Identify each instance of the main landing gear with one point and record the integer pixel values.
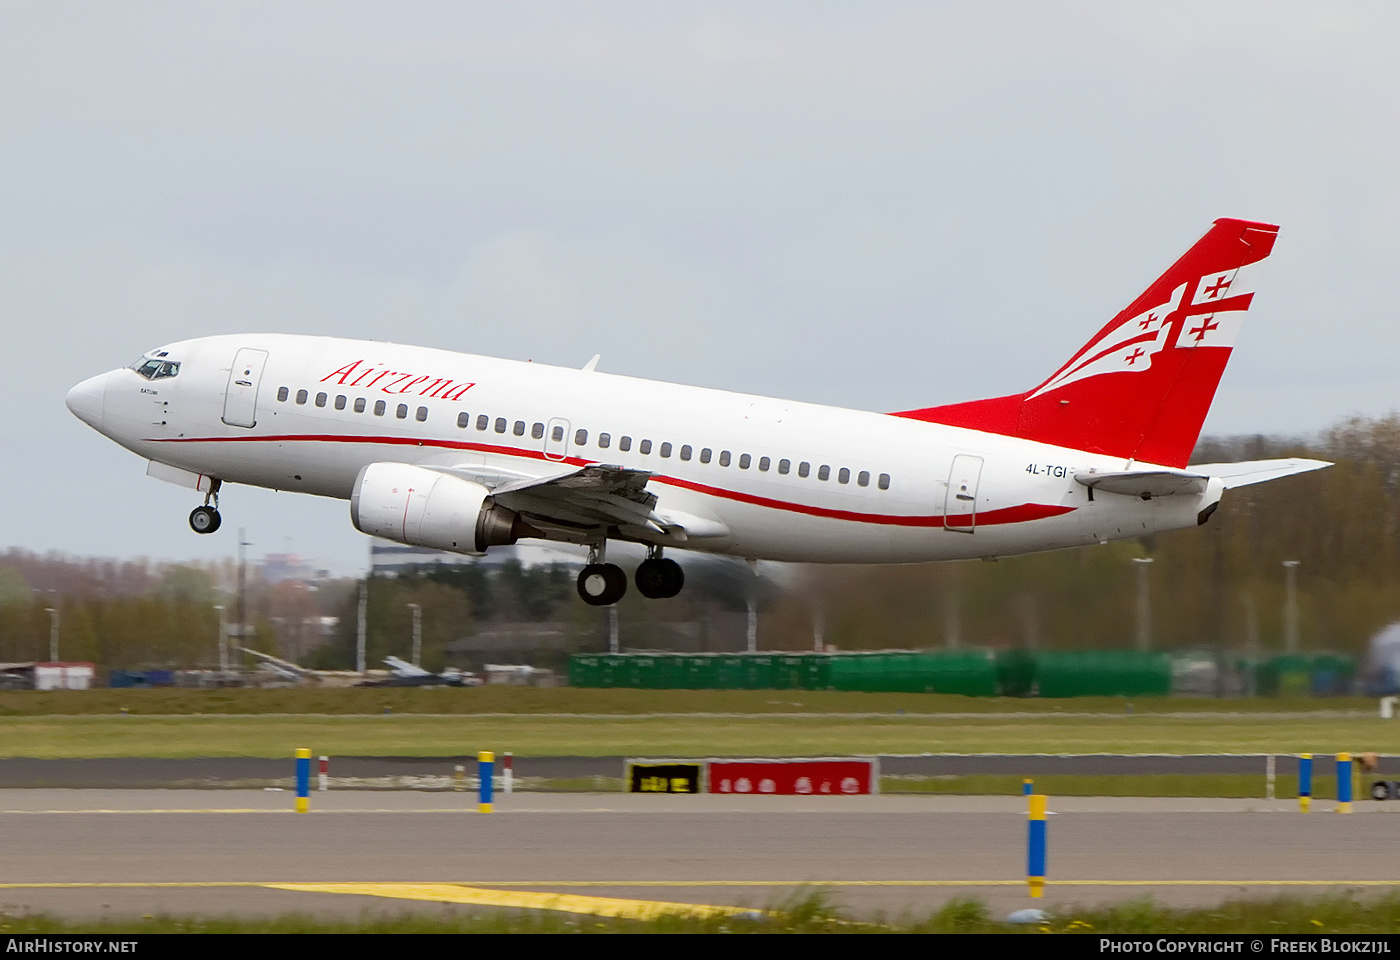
(603, 584)
(659, 578)
(206, 519)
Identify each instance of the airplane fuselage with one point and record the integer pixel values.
(751, 476)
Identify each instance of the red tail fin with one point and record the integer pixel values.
(1140, 389)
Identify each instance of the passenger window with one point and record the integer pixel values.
(580, 437)
(483, 421)
(624, 444)
(558, 434)
(501, 425)
(320, 399)
(301, 396)
(706, 454)
(884, 481)
(644, 446)
(359, 404)
(464, 420)
(604, 441)
(666, 449)
(537, 431)
(744, 461)
(340, 401)
(824, 473)
(763, 464)
(282, 394)
(519, 429)
(724, 458)
(844, 476)
(379, 408)
(402, 411)
(804, 468)
(864, 478)
(784, 466)
(421, 414)
(685, 452)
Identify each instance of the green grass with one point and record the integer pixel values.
(697, 736)
(810, 912)
(523, 700)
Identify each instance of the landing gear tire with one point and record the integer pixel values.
(659, 578)
(204, 520)
(602, 584)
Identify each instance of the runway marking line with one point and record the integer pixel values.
(499, 893)
(530, 900)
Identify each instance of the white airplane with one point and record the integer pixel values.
(462, 453)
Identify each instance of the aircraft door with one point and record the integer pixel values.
(241, 397)
(556, 440)
(960, 508)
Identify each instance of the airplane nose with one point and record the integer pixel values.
(87, 399)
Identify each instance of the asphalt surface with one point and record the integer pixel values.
(436, 772)
(110, 851)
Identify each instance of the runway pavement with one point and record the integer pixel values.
(87, 853)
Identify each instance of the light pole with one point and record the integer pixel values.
(1144, 607)
(53, 631)
(360, 630)
(223, 639)
(1290, 608)
(417, 634)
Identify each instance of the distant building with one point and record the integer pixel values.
(280, 567)
(387, 559)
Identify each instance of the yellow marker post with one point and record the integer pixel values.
(485, 766)
(303, 779)
(1035, 847)
(1344, 783)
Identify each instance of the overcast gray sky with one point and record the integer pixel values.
(877, 205)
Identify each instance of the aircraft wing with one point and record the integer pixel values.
(283, 668)
(402, 668)
(569, 502)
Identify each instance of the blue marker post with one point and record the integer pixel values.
(485, 766)
(1035, 847)
(303, 779)
(1027, 786)
(1344, 783)
(1304, 781)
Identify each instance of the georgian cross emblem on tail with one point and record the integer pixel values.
(1211, 317)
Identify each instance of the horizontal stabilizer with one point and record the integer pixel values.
(1257, 471)
(1162, 482)
(1145, 483)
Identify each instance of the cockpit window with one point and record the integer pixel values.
(156, 369)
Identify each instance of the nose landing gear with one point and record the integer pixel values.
(206, 519)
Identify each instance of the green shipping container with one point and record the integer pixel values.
(1103, 673)
(584, 670)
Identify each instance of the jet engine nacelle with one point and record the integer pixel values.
(425, 508)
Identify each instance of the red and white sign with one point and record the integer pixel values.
(796, 777)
